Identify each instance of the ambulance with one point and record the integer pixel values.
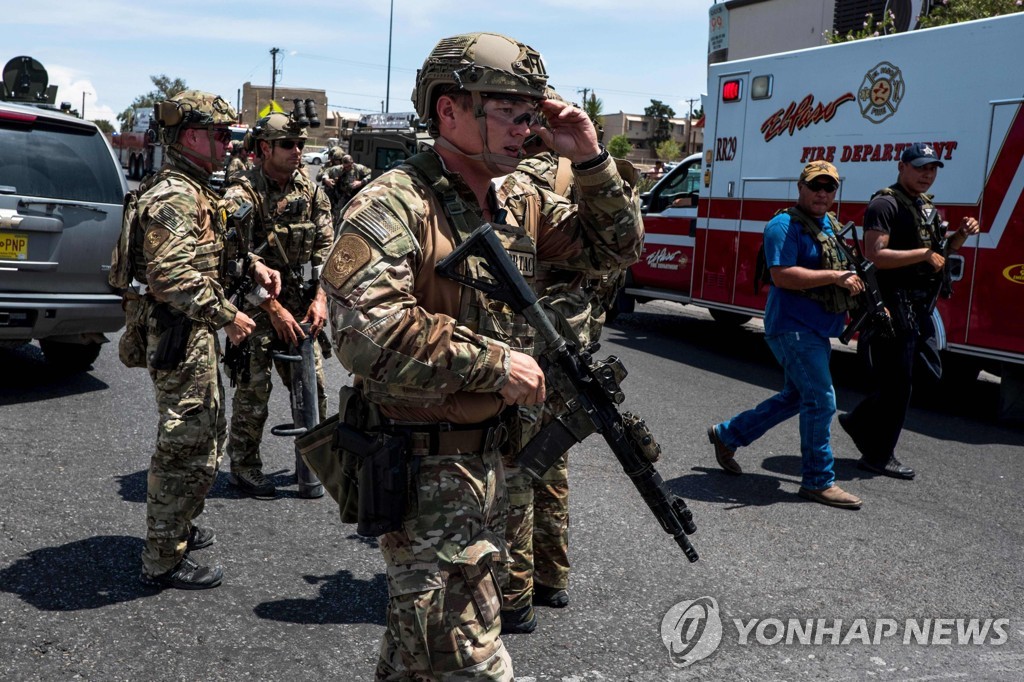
(858, 104)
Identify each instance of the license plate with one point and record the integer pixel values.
(13, 246)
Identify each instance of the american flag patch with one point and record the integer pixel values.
(171, 219)
(377, 221)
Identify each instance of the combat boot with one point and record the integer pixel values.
(187, 575)
(550, 596)
(252, 482)
(521, 621)
(200, 537)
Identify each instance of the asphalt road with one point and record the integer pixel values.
(304, 597)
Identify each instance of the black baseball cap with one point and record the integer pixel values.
(920, 154)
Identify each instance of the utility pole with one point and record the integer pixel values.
(689, 127)
(387, 93)
(584, 91)
(273, 72)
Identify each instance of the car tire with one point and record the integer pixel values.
(315, 161)
(728, 318)
(70, 357)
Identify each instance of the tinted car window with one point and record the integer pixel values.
(51, 159)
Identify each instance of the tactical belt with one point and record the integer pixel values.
(445, 438)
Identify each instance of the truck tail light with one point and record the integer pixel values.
(731, 91)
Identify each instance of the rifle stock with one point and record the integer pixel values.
(872, 310)
(589, 387)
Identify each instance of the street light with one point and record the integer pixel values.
(84, 93)
(387, 94)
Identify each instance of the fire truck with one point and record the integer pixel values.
(856, 104)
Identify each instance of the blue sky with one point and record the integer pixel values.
(627, 52)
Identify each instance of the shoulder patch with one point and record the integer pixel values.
(377, 221)
(155, 238)
(171, 219)
(349, 255)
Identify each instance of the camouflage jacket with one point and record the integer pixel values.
(343, 179)
(424, 347)
(183, 244)
(299, 214)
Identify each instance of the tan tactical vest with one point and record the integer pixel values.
(834, 299)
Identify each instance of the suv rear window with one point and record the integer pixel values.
(50, 159)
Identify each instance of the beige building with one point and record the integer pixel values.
(640, 130)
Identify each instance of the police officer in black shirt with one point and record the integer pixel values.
(907, 241)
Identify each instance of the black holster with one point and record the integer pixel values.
(383, 475)
(174, 328)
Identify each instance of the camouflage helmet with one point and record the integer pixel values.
(478, 63)
(278, 126)
(192, 109)
(337, 154)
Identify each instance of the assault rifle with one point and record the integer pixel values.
(239, 273)
(872, 309)
(589, 387)
(305, 408)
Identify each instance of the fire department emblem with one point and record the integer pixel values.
(881, 92)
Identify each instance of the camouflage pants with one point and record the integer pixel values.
(249, 403)
(190, 435)
(444, 601)
(537, 532)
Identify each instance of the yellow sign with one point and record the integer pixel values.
(270, 108)
(1015, 273)
(13, 246)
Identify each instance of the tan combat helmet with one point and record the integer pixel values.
(192, 109)
(478, 63)
(275, 126)
(337, 154)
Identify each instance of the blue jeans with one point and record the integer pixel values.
(804, 357)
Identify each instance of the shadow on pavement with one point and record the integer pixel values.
(28, 378)
(85, 574)
(343, 599)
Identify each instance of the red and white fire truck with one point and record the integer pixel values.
(856, 104)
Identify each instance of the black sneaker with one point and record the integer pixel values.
(518, 621)
(199, 538)
(550, 596)
(187, 575)
(252, 482)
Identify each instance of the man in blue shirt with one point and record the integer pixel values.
(812, 288)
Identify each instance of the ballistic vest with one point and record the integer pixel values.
(833, 298)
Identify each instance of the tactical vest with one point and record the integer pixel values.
(289, 214)
(207, 257)
(927, 237)
(491, 319)
(833, 298)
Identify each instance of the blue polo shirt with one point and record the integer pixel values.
(786, 244)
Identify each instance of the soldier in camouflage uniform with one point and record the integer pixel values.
(344, 179)
(298, 213)
(438, 362)
(239, 160)
(538, 519)
(180, 249)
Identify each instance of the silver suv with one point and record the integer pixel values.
(61, 194)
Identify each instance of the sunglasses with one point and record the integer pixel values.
(821, 186)
(291, 144)
(512, 110)
(222, 135)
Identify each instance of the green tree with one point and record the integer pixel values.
(668, 150)
(661, 129)
(619, 146)
(698, 113)
(104, 125)
(592, 107)
(164, 88)
(955, 11)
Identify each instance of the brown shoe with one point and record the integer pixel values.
(833, 496)
(726, 458)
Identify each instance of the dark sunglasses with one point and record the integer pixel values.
(819, 186)
(291, 144)
(222, 135)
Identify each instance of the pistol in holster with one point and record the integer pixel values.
(174, 328)
(383, 478)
